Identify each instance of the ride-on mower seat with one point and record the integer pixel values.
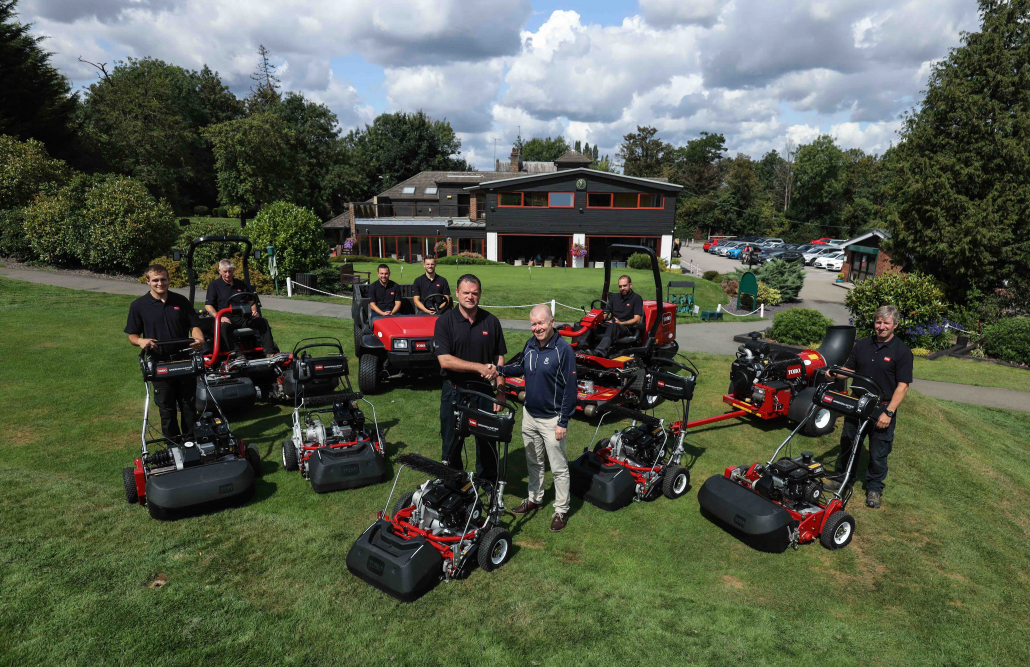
(632, 339)
(244, 331)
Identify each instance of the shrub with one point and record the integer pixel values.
(13, 241)
(710, 275)
(328, 278)
(921, 352)
(799, 326)
(768, 295)
(206, 254)
(918, 298)
(1009, 340)
(344, 259)
(201, 211)
(296, 233)
(126, 225)
(785, 277)
(639, 260)
(176, 271)
(934, 336)
(232, 211)
(261, 283)
(56, 233)
(463, 259)
(216, 212)
(26, 170)
(730, 287)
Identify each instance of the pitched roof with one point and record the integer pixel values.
(424, 179)
(882, 233)
(514, 178)
(574, 157)
(341, 221)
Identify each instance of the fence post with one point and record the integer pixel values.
(289, 287)
(718, 307)
(552, 307)
(761, 310)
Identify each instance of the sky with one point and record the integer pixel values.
(761, 72)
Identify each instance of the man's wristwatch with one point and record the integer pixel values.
(889, 413)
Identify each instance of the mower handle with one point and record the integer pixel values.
(837, 370)
(335, 344)
(473, 392)
(331, 399)
(173, 341)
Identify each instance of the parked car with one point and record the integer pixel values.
(723, 248)
(819, 251)
(734, 253)
(823, 241)
(781, 253)
(711, 244)
(836, 242)
(773, 242)
(820, 262)
(835, 264)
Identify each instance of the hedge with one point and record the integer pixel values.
(918, 298)
(799, 326)
(126, 226)
(1009, 340)
(14, 242)
(296, 233)
(26, 170)
(56, 233)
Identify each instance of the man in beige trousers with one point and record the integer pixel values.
(549, 365)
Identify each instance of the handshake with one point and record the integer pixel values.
(488, 371)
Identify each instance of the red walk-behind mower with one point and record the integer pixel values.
(619, 376)
(439, 530)
(784, 502)
(204, 469)
(395, 345)
(340, 454)
(640, 462)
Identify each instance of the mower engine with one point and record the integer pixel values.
(211, 441)
(755, 370)
(793, 483)
(641, 444)
(444, 509)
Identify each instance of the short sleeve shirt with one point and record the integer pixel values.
(219, 292)
(384, 297)
(423, 287)
(625, 308)
(887, 363)
(161, 320)
(480, 341)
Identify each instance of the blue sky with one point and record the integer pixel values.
(762, 72)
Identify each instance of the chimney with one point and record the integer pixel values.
(515, 162)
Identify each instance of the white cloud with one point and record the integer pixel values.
(682, 12)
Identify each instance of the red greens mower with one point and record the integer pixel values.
(207, 468)
(448, 523)
(784, 502)
(339, 453)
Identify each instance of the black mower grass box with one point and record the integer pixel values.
(338, 469)
(610, 487)
(402, 568)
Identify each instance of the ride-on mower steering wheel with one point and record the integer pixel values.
(238, 295)
(606, 308)
(436, 302)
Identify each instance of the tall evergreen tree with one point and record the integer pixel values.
(643, 153)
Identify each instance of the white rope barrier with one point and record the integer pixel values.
(289, 290)
(760, 310)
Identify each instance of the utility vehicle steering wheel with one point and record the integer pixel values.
(606, 308)
(436, 303)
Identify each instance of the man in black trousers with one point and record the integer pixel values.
(219, 291)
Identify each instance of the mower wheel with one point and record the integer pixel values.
(675, 482)
(601, 444)
(822, 423)
(495, 549)
(838, 531)
(129, 479)
(370, 367)
(402, 502)
(289, 455)
(254, 459)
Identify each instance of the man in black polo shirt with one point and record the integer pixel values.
(467, 341)
(627, 314)
(384, 297)
(220, 291)
(164, 315)
(428, 284)
(888, 361)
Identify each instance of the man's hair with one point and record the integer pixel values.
(627, 278)
(470, 278)
(542, 308)
(888, 311)
(428, 257)
(383, 266)
(225, 264)
(155, 268)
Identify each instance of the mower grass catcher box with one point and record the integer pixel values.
(336, 469)
(610, 487)
(200, 484)
(404, 569)
(757, 521)
(230, 392)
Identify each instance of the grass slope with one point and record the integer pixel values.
(937, 577)
(964, 371)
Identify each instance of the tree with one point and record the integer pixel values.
(785, 174)
(26, 170)
(545, 150)
(697, 166)
(643, 154)
(36, 102)
(960, 177)
(319, 153)
(264, 94)
(295, 232)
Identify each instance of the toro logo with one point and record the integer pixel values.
(319, 367)
(486, 333)
(661, 384)
(827, 399)
(796, 370)
(473, 422)
(162, 370)
(886, 358)
(420, 346)
(375, 565)
(666, 318)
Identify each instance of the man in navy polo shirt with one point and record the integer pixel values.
(164, 315)
(885, 359)
(384, 297)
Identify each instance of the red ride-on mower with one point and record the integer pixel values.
(619, 376)
(205, 468)
(439, 530)
(340, 454)
(640, 462)
(395, 345)
(783, 502)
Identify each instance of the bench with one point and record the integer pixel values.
(711, 316)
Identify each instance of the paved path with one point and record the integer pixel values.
(993, 397)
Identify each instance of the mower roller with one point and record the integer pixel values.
(642, 461)
(784, 502)
(208, 467)
(340, 454)
(440, 529)
(618, 377)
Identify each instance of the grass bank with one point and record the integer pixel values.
(965, 371)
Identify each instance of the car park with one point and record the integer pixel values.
(820, 262)
(823, 241)
(772, 242)
(835, 264)
(734, 253)
(819, 251)
(784, 254)
(723, 248)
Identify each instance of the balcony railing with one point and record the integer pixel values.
(364, 211)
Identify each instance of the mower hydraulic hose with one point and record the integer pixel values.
(566, 331)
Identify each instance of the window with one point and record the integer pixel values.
(509, 199)
(562, 199)
(408, 190)
(626, 200)
(431, 190)
(599, 200)
(534, 199)
(651, 201)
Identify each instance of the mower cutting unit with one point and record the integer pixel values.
(618, 377)
(642, 461)
(396, 345)
(446, 524)
(207, 467)
(341, 454)
(784, 502)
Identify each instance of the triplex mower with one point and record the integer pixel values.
(236, 377)
(439, 530)
(396, 345)
(642, 461)
(205, 468)
(340, 454)
(619, 376)
(784, 502)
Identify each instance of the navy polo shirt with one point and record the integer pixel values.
(887, 363)
(480, 341)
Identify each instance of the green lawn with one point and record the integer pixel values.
(964, 371)
(507, 286)
(937, 577)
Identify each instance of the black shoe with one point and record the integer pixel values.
(872, 499)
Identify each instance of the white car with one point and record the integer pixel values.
(835, 264)
(820, 262)
(773, 242)
(819, 251)
(722, 248)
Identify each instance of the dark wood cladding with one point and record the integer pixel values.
(369, 228)
(594, 221)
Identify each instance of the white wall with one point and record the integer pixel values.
(665, 248)
(491, 246)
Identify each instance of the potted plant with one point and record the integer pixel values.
(579, 253)
(840, 277)
(348, 246)
(441, 249)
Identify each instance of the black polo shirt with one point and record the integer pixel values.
(480, 341)
(625, 308)
(384, 297)
(161, 320)
(887, 363)
(219, 293)
(423, 287)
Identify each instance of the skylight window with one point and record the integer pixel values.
(408, 190)
(431, 190)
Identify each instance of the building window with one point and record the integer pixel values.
(431, 190)
(408, 190)
(599, 200)
(561, 200)
(624, 200)
(651, 201)
(536, 199)
(509, 199)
